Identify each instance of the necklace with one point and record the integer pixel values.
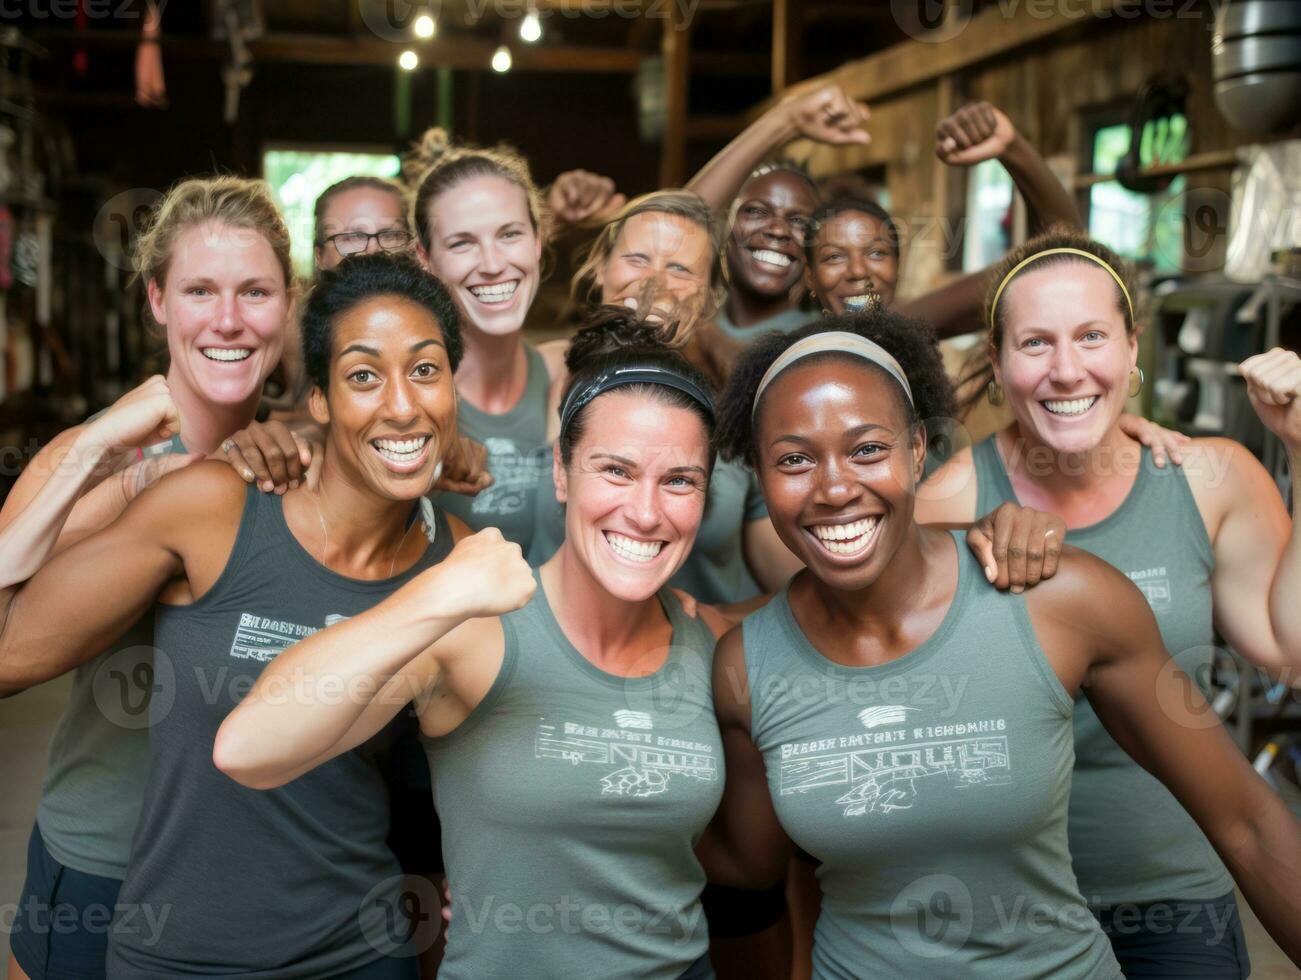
(425, 510)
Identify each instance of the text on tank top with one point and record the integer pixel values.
(570, 800)
(296, 881)
(933, 789)
(1131, 839)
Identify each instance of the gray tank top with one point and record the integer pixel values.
(934, 790)
(571, 800)
(291, 882)
(715, 572)
(1130, 838)
(99, 755)
(518, 456)
(783, 322)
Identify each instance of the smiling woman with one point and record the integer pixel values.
(907, 806)
(571, 742)
(482, 223)
(235, 576)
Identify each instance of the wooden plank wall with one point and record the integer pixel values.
(1047, 90)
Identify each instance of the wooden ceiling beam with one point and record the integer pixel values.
(460, 52)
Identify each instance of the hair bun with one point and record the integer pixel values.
(434, 144)
(613, 330)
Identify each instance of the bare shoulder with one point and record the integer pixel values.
(190, 500)
(1088, 595)
(459, 528)
(1219, 469)
(950, 493)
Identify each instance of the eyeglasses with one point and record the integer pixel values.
(356, 242)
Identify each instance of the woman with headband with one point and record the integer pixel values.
(572, 743)
(909, 726)
(1209, 543)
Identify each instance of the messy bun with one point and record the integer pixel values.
(437, 165)
(613, 337)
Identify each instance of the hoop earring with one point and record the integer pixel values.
(1134, 389)
(994, 392)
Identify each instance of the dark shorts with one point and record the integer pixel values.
(1198, 940)
(61, 927)
(735, 912)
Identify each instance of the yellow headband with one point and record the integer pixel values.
(998, 294)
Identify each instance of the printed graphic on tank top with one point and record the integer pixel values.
(518, 458)
(292, 882)
(933, 789)
(1131, 839)
(571, 800)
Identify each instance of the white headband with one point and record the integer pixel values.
(834, 342)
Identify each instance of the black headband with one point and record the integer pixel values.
(634, 374)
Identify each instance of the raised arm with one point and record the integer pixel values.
(822, 112)
(341, 685)
(979, 131)
(745, 845)
(1158, 715)
(88, 595)
(975, 133)
(83, 479)
(1257, 578)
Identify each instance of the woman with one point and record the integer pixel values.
(216, 266)
(939, 818)
(481, 224)
(296, 883)
(572, 744)
(658, 256)
(1210, 544)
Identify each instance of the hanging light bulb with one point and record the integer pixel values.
(408, 60)
(530, 28)
(501, 60)
(424, 27)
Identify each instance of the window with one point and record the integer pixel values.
(297, 178)
(989, 207)
(1139, 226)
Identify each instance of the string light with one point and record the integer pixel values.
(424, 27)
(501, 60)
(530, 28)
(408, 61)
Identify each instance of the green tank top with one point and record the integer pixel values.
(571, 800)
(99, 755)
(715, 571)
(934, 791)
(518, 456)
(1130, 838)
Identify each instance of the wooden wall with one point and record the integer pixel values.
(1048, 89)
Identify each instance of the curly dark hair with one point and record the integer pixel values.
(911, 342)
(613, 337)
(362, 277)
